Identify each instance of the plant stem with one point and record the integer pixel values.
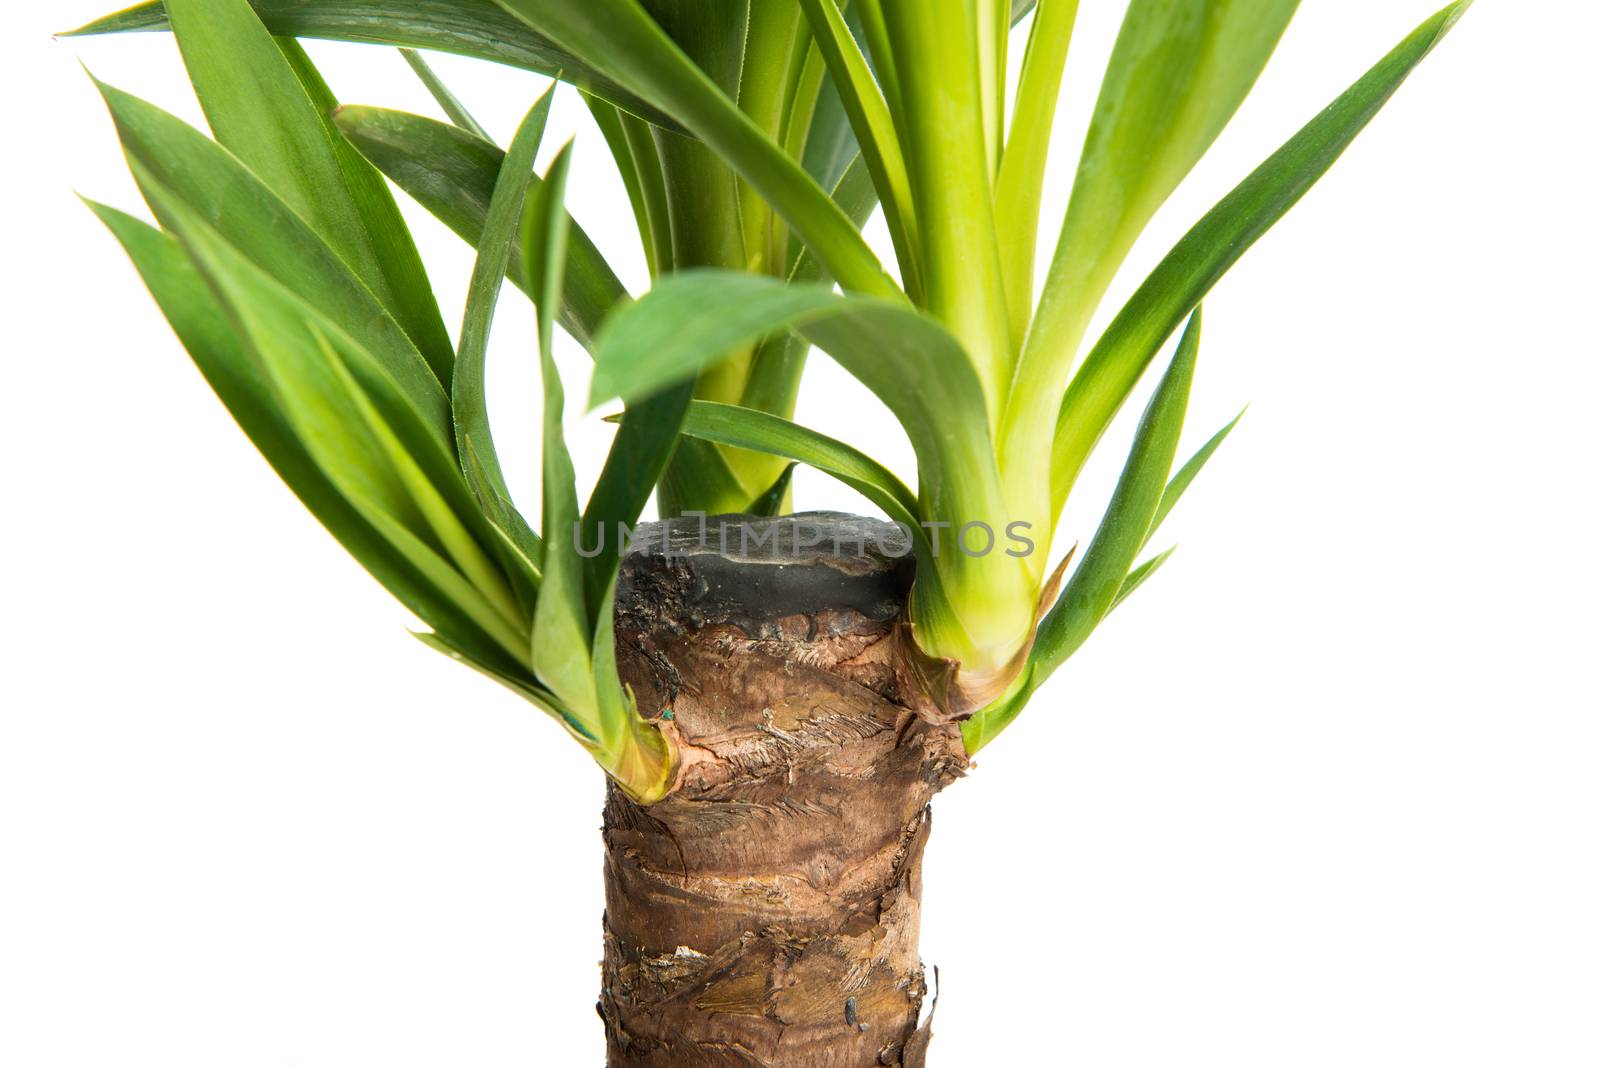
(820, 971)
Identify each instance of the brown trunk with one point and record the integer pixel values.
(766, 914)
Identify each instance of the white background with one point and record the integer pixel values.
(1324, 793)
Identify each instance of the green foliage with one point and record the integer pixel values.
(453, 174)
(441, 94)
(469, 406)
(267, 105)
(1215, 244)
(309, 353)
(619, 35)
(754, 140)
(475, 28)
(1101, 574)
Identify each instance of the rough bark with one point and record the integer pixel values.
(766, 914)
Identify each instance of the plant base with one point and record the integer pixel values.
(767, 913)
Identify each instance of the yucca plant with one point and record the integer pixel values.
(775, 721)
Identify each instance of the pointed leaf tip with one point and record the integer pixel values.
(1458, 9)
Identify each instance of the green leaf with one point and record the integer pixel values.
(857, 197)
(871, 28)
(621, 36)
(874, 129)
(267, 105)
(453, 175)
(574, 657)
(1179, 71)
(1139, 575)
(829, 145)
(561, 631)
(639, 166)
(632, 750)
(442, 95)
(772, 502)
(774, 52)
(231, 368)
(1102, 576)
(459, 544)
(994, 45)
(1094, 584)
(361, 431)
(638, 458)
(1187, 474)
(275, 313)
(520, 684)
(406, 279)
(1215, 244)
(702, 195)
(701, 478)
(214, 184)
(943, 126)
(480, 462)
(746, 428)
(913, 365)
(1020, 186)
(690, 320)
(475, 28)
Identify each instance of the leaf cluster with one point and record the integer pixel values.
(754, 139)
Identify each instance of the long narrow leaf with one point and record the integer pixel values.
(1180, 70)
(829, 145)
(745, 428)
(447, 100)
(475, 28)
(773, 58)
(561, 631)
(1094, 584)
(641, 177)
(772, 502)
(335, 425)
(469, 404)
(1022, 166)
(260, 97)
(874, 129)
(1139, 576)
(937, 57)
(1103, 572)
(692, 318)
(213, 183)
(1215, 244)
(405, 288)
(857, 197)
(523, 687)
(453, 175)
(702, 479)
(272, 314)
(468, 556)
(1187, 474)
(1178, 73)
(293, 341)
(639, 456)
(620, 35)
(231, 369)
